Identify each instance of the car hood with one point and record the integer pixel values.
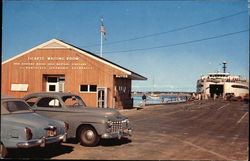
(106, 112)
(31, 120)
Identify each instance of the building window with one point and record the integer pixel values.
(92, 88)
(83, 88)
(124, 89)
(52, 79)
(52, 88)
(88, 88)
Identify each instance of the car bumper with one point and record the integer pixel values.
(119, 134)
(42, 142)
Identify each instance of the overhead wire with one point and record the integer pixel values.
(182, 43)
(173, 30)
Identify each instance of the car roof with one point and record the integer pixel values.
(49, 94)
(5, 96)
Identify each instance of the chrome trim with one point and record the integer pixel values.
(126, 132)
(116, 126)
(50, 127)
(42, 142)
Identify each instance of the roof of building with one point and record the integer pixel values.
(55, 43)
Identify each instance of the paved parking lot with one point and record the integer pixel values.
(200, 130)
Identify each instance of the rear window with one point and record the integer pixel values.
(49, 102)
(14, 106)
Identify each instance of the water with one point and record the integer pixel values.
(162, 99)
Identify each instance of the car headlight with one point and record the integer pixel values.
(125, 121)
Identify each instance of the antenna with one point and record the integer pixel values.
(224, 66)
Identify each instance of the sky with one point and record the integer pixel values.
(172, 43)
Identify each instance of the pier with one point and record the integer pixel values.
(160, 93)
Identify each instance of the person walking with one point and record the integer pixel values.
(215, 96)
(144, 98)
(178, 97)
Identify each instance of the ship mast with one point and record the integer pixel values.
(224, 66)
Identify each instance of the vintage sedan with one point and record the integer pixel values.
(21, 127)
(87, 124)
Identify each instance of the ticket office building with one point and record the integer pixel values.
(56, 66)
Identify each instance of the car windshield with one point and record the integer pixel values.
(16, 106)
(73, 101)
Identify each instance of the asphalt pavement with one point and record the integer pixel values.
(197, 130)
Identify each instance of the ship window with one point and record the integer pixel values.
(239, 86)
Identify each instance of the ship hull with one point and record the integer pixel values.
(218, 86)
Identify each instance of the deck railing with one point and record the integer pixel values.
(225, 80)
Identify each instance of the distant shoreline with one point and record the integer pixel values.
(160, 93)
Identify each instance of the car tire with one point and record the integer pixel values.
(3, 151)
(88, 136)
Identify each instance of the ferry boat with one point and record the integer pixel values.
(222, 84)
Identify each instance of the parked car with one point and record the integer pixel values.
(228, 96)
(246, 98)
(21, 127)
(87, 124)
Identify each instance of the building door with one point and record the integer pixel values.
(102, 97)
(55, 83)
